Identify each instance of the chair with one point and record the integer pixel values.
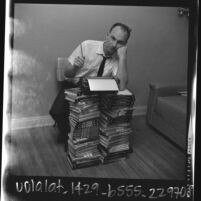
(167, 111)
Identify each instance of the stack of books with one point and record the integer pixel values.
(115, 125)
(83, 138)
(100, 123)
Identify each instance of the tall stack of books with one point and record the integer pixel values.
(83, 138)
(100, 122)
(115, 125)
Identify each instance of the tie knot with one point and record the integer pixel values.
(106, 57)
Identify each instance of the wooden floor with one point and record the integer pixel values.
(35, 152)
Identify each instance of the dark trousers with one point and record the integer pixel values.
(60, 112)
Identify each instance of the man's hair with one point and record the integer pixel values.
(123, 27)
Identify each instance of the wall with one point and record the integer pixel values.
(157, 50)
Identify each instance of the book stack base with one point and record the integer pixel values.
(115, 126)
(83, 138)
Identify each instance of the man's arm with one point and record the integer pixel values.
(122, 69)
(75, 61)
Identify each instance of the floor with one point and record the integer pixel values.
(35, 152)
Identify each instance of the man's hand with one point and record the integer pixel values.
(78, 62)
(122, 52)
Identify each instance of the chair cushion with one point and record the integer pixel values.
(173, 109)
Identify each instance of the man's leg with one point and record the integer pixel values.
(60, 113)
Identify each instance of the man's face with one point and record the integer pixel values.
(115, 39)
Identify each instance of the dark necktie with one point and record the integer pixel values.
(101, 68)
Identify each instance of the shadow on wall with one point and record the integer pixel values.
(25, 85)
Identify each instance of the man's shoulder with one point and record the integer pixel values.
(92, 42)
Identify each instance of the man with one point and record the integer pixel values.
(85, 61)
(86, 58)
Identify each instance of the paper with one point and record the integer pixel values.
(125, 92)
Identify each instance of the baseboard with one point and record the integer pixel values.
(40, 121)
(140, 110)
(31, 122)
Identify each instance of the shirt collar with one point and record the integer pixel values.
(100, 49)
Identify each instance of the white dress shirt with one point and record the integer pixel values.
(92, 51)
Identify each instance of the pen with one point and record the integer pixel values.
(81, 50)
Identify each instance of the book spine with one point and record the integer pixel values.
(86, 124)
